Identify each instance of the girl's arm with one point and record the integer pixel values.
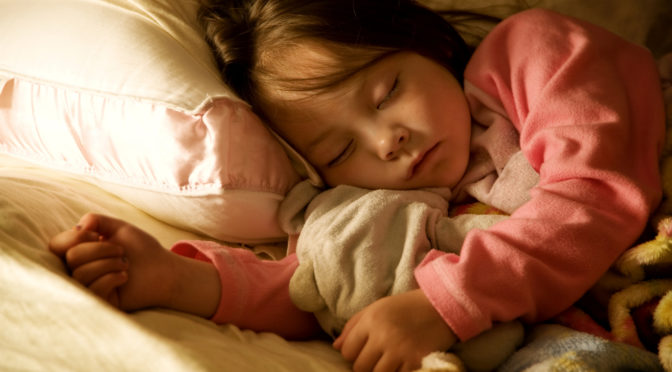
(254, 293)
(130, 269)
(589, 111)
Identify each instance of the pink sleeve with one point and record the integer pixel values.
(255, 292)
(589, 111)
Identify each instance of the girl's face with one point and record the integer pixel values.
(400, 123)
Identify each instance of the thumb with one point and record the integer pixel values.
(105, 226)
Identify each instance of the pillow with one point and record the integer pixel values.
(127, 95)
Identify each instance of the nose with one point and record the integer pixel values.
(391, 141)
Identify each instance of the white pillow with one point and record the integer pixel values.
(126, 94)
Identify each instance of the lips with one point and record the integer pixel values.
(419, 161)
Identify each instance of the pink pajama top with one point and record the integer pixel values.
(588, 109)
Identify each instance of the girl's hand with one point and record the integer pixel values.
(394, 334)
(117, 261)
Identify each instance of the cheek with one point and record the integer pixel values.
(454, 110)
(358, 171)
(439, 106)
(341, 175)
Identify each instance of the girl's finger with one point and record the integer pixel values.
(91, 251)
(353, 345)
(113, 298)
(87, 273)
(367, 358)
(104, 285)
(338, 343)
(61, 243)
(389, 362)
(104, 225)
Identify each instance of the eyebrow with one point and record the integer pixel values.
(314, 144)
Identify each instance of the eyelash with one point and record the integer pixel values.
(389, 95)
(342, 155)
(348, 148)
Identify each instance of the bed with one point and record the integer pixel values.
(116, 107)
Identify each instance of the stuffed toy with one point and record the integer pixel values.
(481, 353)
(357, 245)
(648, 267)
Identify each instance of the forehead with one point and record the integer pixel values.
(309, 75)
(308, 66)
(297, 74)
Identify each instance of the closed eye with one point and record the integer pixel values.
(390, 93)
(343, 155)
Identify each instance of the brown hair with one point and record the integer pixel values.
(240, 31)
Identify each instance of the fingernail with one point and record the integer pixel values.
(78, 227)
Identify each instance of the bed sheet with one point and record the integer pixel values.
(50, 322)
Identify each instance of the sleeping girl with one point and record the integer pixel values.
(555, 121)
